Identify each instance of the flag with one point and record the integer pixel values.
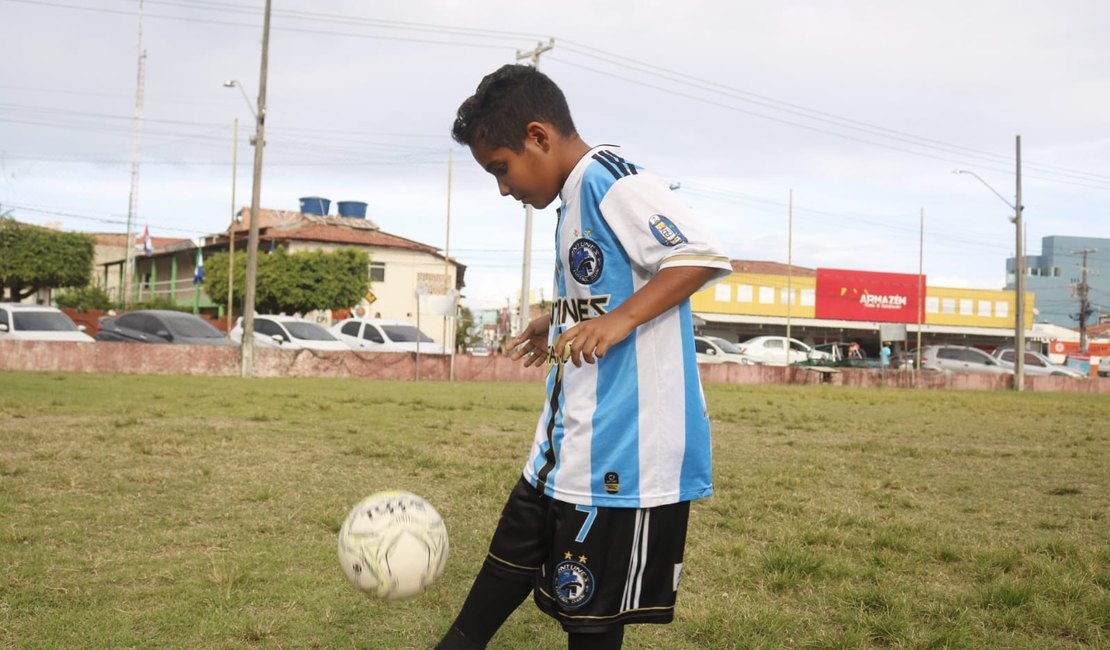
(198, 274)
(148, 247)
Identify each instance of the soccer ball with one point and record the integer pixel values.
(393, 545)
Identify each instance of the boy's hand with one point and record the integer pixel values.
(531, 345)
(591, 339)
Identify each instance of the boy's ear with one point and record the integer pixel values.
(540, 135)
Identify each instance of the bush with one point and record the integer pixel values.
(86, 298)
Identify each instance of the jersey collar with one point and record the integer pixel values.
(574, 180)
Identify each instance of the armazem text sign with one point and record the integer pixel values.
(866, 295)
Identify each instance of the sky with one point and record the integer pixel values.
(822, 133)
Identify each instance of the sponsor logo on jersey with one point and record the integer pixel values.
(576, 310)
(586, 261)
(612, 482)
(574, 584)
(665, 231)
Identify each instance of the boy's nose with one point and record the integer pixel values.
(504, 188)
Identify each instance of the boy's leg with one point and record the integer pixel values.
(516, 553)
(491, 600)
(610, 640)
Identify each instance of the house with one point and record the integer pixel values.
(400, 269)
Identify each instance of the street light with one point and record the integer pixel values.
(234, 83)
(1019, 272)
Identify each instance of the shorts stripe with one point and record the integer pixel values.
(637, 561)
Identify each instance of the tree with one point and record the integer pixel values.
(466, 334)
(293, 282)
(34, 258)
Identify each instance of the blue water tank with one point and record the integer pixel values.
(315, 205)
(352, 209)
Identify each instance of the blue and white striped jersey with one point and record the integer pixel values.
(630, 430)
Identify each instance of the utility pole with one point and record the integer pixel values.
(920, 287)
(1019, 284)
(526, 271)
(231, 229)
(256, 195)
(789, 269)
(133, 196)
(1081, 291)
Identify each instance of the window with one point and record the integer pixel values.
(744, 293)
(1001, 309)
(966, 306)
(700, 346)
(971, 355)
(377, 271)
(4, 316)
(809, 297)
(1056, 271)
(371, 333)
(948, 306)
(351, 328)
(773, 344)
(269, 328)
(723, 292)
(948, 353)
(766, 295)
(984, 308)
(932, 305)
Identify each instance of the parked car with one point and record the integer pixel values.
(713, 349)
(160, 326)
(1035, 364)
(376, 335)
(20, 322)
(772, 351)
(288, 332)
(1104, 366)
(961, 358)
(480, 350)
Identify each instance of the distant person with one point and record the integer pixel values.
(854, 351)
(884, 355)
(621, 376)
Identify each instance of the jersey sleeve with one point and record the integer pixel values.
(657, 230)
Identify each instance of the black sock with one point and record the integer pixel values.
(491, 600)
(610, 640)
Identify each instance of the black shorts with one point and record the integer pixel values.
(592, 568)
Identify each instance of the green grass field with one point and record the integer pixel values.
(187, 512)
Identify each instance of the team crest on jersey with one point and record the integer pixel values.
(586, 261)
(665, 231)
(574, 584)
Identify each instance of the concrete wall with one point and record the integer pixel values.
(134, 358)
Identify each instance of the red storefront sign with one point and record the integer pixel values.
(864, 295)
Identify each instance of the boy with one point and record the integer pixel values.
(596, 526)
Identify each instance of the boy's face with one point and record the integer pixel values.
(530, 176)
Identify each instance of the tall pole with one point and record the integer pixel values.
(789, 269)
(1019, 284)
(133, 196)
(526, 270)
(231, 229)
(1082, 292)
(256, 195)
(920, 287)
(447, 278)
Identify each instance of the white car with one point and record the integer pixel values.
(38, 323)
(713, 349)
(1036, 364)
(377, 335)
(288, 332)
(1104, 366)
(780, 351)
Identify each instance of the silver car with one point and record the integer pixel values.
(961, 358)
(1036, 364)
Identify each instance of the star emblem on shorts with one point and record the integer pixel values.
(582, 559)
(568, 556)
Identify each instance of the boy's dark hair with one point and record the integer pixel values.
(498, 113)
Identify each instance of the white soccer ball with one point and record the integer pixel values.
(393, 545)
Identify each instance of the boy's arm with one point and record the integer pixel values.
(592, 338)
(531, 345)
